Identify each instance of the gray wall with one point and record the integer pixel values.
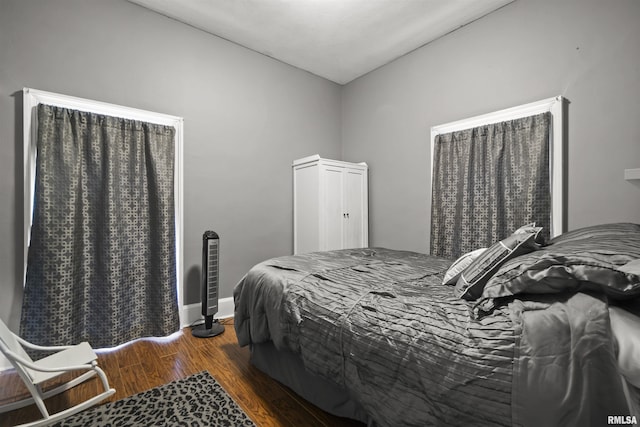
(585, 50)
(246, 118)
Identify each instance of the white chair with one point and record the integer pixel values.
(78, 358)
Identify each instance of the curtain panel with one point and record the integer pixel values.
(102, 256)
(487, 182)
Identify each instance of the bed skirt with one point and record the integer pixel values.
(287, 368)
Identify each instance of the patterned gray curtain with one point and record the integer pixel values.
(102, 260)
(487, 182)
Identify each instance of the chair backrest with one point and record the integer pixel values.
(9, 342)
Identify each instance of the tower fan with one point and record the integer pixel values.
(210, 283)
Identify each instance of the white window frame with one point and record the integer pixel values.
(33, 97)
(554, 105)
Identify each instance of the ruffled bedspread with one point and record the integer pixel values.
(380, 324)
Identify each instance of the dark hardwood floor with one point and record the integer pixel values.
(145, 364)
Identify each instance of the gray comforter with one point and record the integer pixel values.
(380, 324)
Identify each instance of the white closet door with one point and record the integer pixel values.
(333, 215)
(354, 207)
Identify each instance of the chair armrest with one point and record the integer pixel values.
(41, 347)
(34, 365)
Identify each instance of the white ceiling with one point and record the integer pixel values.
(339, 40)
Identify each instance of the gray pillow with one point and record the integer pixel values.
(600, 259)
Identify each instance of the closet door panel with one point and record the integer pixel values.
(333, 218)
(355, 207)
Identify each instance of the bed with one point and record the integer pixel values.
(500, 337)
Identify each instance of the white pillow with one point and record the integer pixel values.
(458, 266)
(626, 327)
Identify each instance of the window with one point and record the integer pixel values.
(34, 97)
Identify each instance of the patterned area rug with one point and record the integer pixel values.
(197, 400)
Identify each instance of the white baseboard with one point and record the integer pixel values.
(190, 313)
(193, 312)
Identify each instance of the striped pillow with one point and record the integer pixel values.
(453, 273)
(473, 279)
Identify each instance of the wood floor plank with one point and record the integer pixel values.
(126, 356)
(13, 388)
(148, 363)
(108, 361)
(147, 355)
(134, 379)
